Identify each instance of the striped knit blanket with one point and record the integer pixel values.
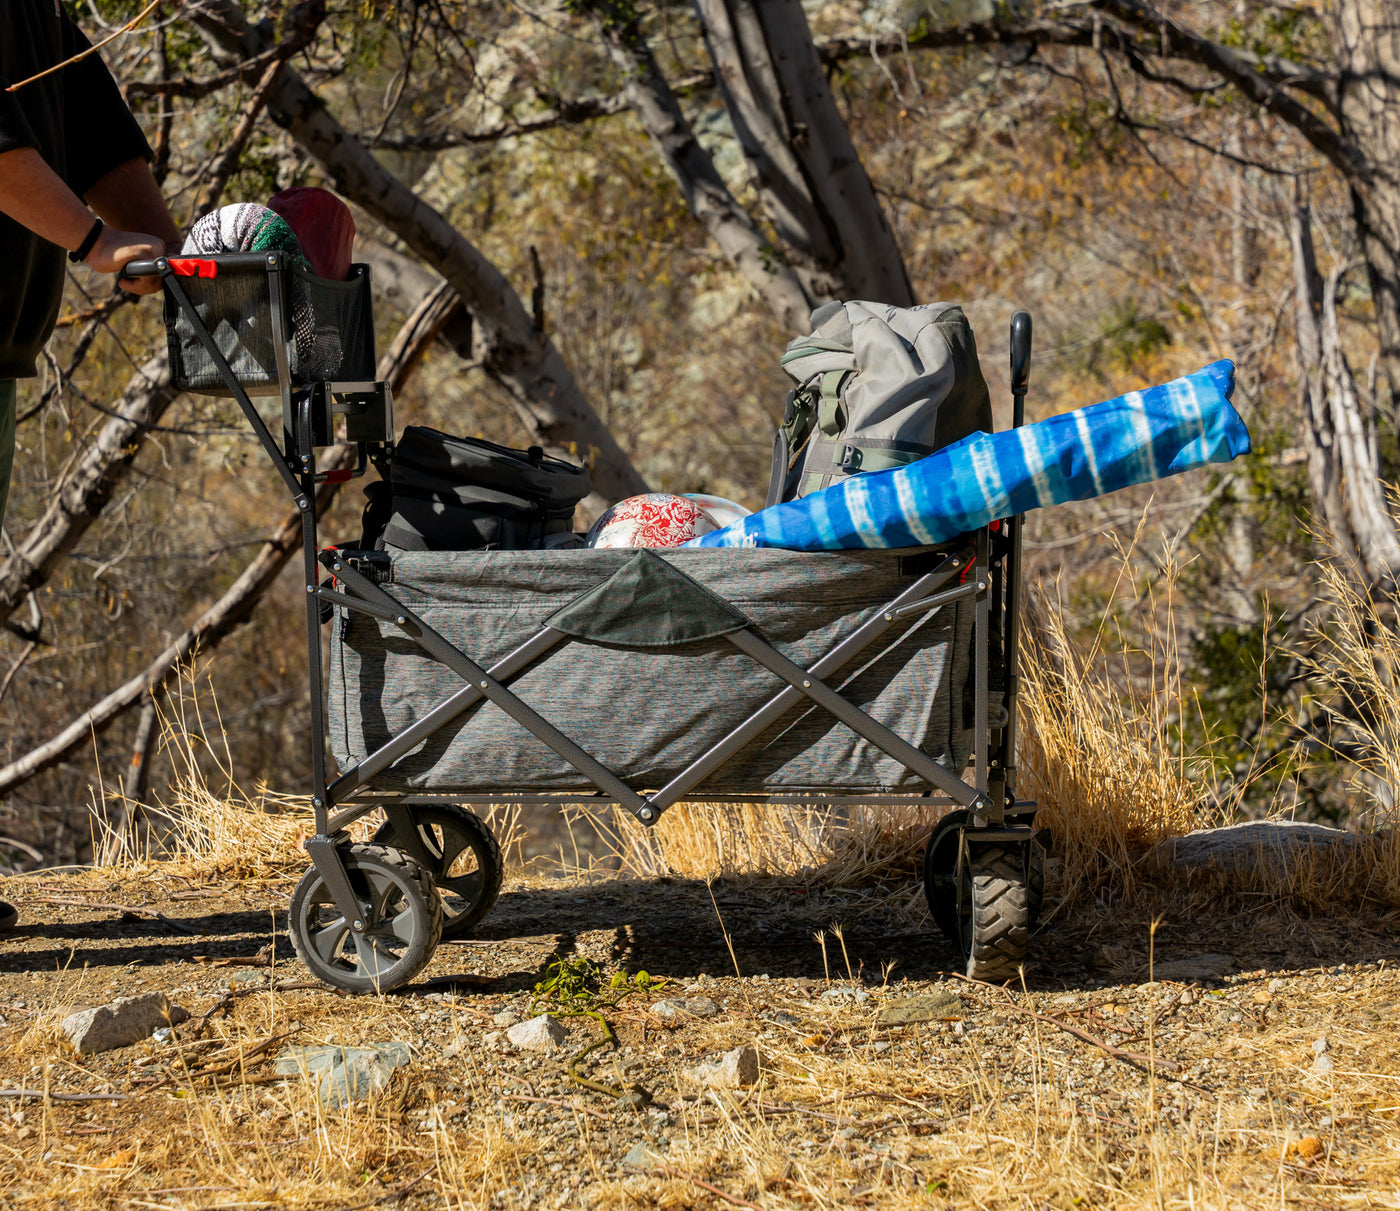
(1134, 439)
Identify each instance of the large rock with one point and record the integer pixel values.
(737, 1069)
(543, 1033)
(344, 1074)
(121, 1022)
(923, 1007)
(1256, 844)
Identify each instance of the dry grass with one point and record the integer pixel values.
(991, 1107)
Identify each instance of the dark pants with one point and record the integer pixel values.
(7, 439)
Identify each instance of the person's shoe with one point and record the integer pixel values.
(9, 916)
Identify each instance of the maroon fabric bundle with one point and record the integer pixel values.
(323, 224)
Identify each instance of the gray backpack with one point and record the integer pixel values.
(877, 387)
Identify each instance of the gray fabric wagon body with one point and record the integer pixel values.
(647, 706)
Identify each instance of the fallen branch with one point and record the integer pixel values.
(133, 909)
(218, 1069)
(42, 1094)
(671, 1171)
(392, 1196)
(1118, 1053)
(556, 1101)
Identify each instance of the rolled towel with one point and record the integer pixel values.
(1134, 439)
(243, 227)
(248, 227)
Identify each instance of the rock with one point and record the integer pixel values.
(643, 1156)
(737, 1069)
(675, 1008)
(1269, 844)
(925, 1007)
(1198, 967)
(783, 1018)
(1319, 1046)
(121, 1022)
(543, 1033)
(344, 1074)
(1322, 1065)
(505, 1018)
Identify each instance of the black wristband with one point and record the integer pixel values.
(80, 253)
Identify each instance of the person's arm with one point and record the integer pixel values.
(35, 196)
(129, 198)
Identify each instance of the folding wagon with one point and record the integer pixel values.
(636, 678)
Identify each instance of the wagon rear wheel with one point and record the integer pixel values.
(940, 875)
(996, 922)
(464, 861)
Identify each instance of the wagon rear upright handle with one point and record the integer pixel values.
(1020, 365)
(1020, 382)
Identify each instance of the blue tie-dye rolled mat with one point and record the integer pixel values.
(1134, 439)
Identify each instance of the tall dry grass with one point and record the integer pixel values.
(1101, 752)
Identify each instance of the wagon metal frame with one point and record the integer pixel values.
(371, 920)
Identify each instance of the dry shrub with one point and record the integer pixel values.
(205, 823)
(1097, 751)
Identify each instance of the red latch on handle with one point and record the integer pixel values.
(194, 267)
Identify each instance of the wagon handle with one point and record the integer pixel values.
(1020, 365)
(142, 269)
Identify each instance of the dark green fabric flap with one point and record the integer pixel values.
(647, 603)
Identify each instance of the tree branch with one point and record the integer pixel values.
(80, 499)
(237, 604)
(522, 360)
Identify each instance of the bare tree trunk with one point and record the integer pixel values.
(1342, 470)
(522, 359)
(122, 809)
(728, 224)
(814, 186)
(1365, 37)
(81, 497)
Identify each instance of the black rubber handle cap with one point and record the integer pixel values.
(1020, 352)
(141, 269)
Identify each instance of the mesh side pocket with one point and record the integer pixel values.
(333, 328)
(332, 331)
(234, 307)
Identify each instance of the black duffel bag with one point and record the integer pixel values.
(447, 493)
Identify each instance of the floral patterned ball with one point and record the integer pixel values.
(655, 519)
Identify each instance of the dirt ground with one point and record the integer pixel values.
(1276, 1083)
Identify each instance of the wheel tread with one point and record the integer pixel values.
(1001, 911)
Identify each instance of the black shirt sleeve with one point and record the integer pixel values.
(98, 130)
(15, 131)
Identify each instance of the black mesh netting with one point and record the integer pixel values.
(332, 331)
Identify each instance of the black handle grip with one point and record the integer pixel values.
(141, 269)
(1020, 352)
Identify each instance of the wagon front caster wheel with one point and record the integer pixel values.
(996, 910)
(465, 863)
(401, 912)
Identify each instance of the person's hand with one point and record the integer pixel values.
(114, 250)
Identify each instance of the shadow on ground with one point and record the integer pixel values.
(681, 928)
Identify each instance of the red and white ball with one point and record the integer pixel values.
(654, 519)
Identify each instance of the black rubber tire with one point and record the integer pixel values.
(940, 875)
(996, 929)
(402, 913)
(1035, 881)
(467, 867)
